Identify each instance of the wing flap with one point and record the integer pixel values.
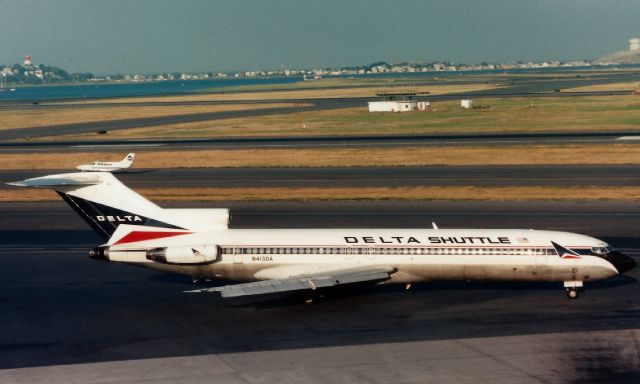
(297, 283)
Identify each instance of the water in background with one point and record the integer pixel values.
(176, 87)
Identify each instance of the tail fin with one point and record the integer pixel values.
(128, 160)
(105, 203)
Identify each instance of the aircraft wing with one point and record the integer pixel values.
(296, 283)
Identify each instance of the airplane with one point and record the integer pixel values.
(199, 243)
(108, 166)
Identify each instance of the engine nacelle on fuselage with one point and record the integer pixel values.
(189, 255)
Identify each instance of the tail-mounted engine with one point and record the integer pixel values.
(202, 254)
(187, 255)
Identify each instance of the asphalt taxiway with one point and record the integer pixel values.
(344, 141)
(68, 318)
(489, 176)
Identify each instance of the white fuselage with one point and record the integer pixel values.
(416, 254)
(198, 242)
(102, 166)
(108, 166)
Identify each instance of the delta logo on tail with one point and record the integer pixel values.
(565, 253)
(105, 219)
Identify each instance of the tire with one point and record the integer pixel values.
(572, 293)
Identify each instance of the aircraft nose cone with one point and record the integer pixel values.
(622, 262)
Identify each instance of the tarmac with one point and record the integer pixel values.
(344, 141)
(573, 176)
(546, 358)
(67, 318)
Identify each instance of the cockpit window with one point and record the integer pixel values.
(602, 249)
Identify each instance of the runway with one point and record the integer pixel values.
(346, 141)
(59, 307)
(362, 177)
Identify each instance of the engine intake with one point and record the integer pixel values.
(191, 255)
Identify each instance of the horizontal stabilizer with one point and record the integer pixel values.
(297, 283)
(61, 180)
(103, 201)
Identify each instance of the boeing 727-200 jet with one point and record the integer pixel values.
(198, 242)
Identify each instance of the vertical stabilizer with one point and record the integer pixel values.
(102, 201)
(128, 160)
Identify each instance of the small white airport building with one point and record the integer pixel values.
(393, 106)
(466, 103)
(398, 100)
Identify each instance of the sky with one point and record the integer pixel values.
(150, 36)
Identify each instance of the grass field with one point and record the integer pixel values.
(579, 113)
(437, 84)
(331, 157)
(293, 92)
(34, 117)
(407, 193)
(630, 86)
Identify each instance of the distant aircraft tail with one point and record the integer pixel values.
(128, 160)
(105, 203)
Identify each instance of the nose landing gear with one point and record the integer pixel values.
(572, 293)
(571, 288)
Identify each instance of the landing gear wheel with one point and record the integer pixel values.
(572, 293)
(312, 298)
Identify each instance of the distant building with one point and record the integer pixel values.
(393, 106)
(466, 103)
(398, 100)
(26, 60)
(632, 56)
(423, 105)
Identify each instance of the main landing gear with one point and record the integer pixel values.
(572, 288)
(312, 298)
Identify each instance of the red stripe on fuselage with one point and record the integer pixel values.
(136, 236)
